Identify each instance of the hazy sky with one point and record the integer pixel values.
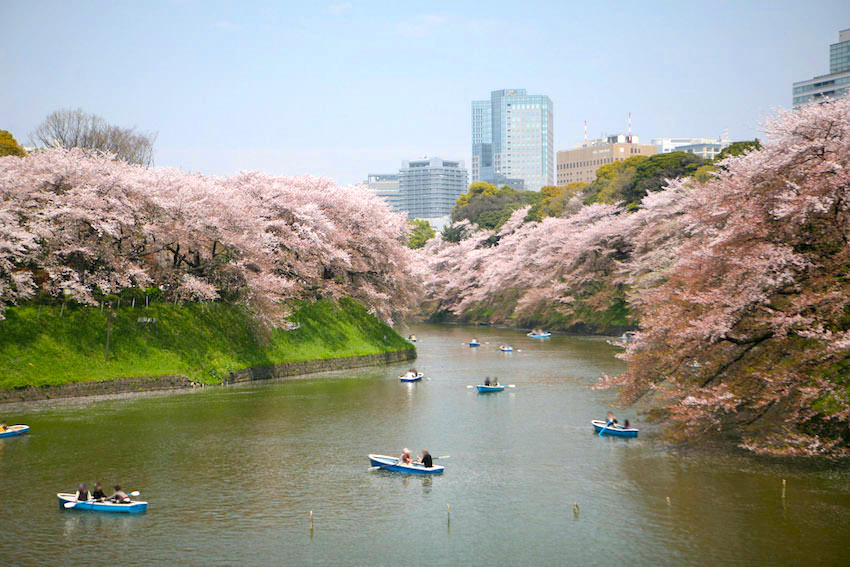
(342, 89)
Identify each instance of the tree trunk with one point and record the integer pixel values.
(108, 330)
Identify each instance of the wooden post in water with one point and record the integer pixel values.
(311, 524)
(783, 489)
(575, 509)
(108, 329)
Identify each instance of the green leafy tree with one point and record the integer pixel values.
(421, 232)
(490, 207)
(630, 180)
(738, 148)
(9, 146)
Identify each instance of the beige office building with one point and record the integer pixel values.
(581, 163)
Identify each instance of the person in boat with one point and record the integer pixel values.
(487, 381)
(119, 496)
(611, 419)
(426, 460)
(404, 459)
(82, 493)
(3, 426)
(495, 381)
(626, 424)
(98, 493)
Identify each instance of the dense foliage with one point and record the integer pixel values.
(487, 206)
(9, 146)
(76, 225)
(421, 232)
(738, 277)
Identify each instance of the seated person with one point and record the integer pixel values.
(495, 381)
(611, 419)
(82, 493)
(405, 457)
(426, 460)
(120, 496)
(487, 381)
(98, 493)
(626, 424)
(3, 426)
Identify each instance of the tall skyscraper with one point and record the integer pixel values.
(833, 85)
(513, 139)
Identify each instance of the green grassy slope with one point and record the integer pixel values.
(203, 342)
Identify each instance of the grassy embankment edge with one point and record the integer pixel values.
(204, 342)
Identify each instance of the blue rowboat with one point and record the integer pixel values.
(506, 348)
(15, 430)
(484, 389)
(615, 430)
(391, 464)
(91, 505)
(474, 343)
(410, 377)
(545, 335)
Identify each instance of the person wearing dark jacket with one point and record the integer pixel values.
(426, 460)
(82, 493)
(98, 493)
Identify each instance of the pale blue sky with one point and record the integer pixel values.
(345, 88)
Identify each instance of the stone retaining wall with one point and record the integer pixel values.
(177, 382)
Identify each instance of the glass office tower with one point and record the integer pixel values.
(516, 141)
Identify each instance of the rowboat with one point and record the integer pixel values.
(15, 430)
(544, 335)
(412, 338)
(484, 389)
(506, 348)
(474, 343)
(616, 430)
(391, 464)
(411, 377)
(93, 506)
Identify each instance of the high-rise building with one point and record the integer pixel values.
(581, 163)
(430, 187)
(386, 186)
(833, 85)
(513, 139)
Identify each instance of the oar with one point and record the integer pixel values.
(442, 457)
(601, 431)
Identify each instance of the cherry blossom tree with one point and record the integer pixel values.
(82, 225)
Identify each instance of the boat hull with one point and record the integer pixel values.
(473, 345)
(482, 389)
(391, 464)
(615, 431)
(509, 349)
(15, 430)
(417, 378)
(111, 507)
(543, 336)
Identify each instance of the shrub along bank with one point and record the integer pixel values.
(49, 345)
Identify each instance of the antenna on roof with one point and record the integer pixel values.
(629, 139)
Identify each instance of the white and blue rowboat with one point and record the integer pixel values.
(482, 389)
(93, 506)
(615, 429)
(506, 348)
(15, 430)
(391, 464)
(545, 335)
(410, 377)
